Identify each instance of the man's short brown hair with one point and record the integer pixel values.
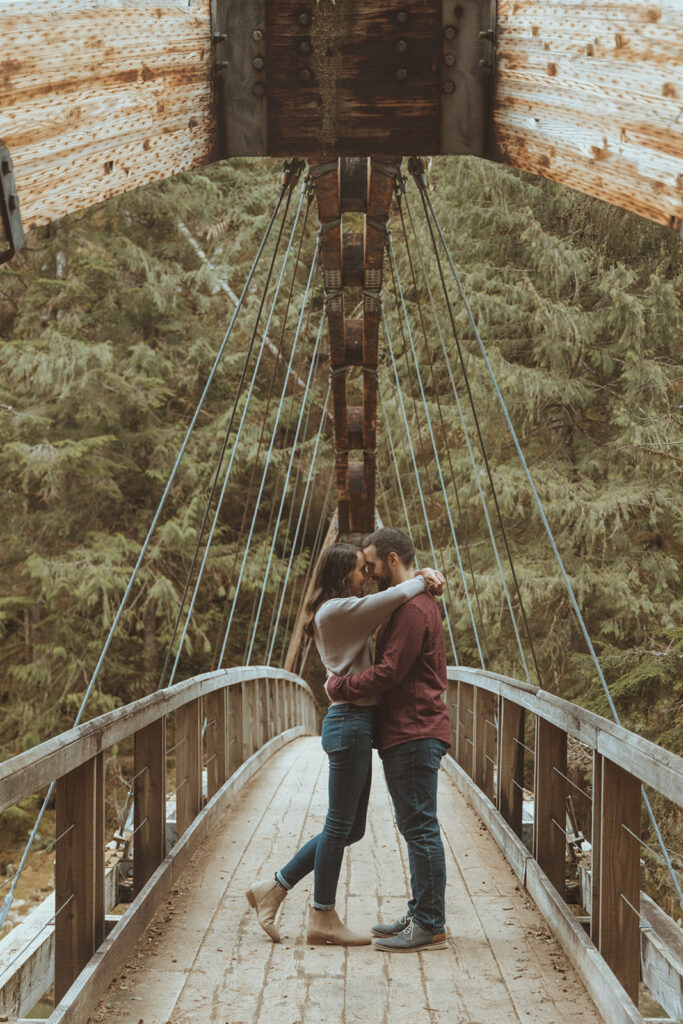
(389, 539)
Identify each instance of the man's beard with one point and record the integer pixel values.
(382, 584)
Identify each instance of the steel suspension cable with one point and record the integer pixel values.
(313, 271)
(549, 533)
(394, 460)
(278, 355)
(283, 584)
(397, 284)
(468, 442)
(219, 504)
(420, 180)
(7, 902)
(284, 486)
(317, 542)
(417, 477)
(400, 191)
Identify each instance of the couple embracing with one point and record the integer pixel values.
(398, 703)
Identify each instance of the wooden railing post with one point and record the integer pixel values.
(188, 728)
(264, 711)
(511, 763)
(149, 808)
(550, 802)
(235, 728)
(78, 904)
(485, 707)
(216, 745)
(466, 727)
(452, 702)
(619, 873)
(276, 706)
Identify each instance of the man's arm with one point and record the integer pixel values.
(402, 648)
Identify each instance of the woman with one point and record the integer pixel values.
(342, 622)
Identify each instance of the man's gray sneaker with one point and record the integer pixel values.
(391, 929)
(411, 940)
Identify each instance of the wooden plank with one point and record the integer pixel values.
(216, 740)
(485, 733)
(511, 764)
(75, 864)
(33, 770)
(466, 727)
(589, 95)
(619, 882)
(83, 996)
(149, 807)
(98, 98)
(188, 753)
(550, 797)
(235, 729)
(100, 897)
(596, 832)
(339, 85)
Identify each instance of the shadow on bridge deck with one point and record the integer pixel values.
(205, 958)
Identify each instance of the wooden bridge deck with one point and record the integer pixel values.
(205, 959)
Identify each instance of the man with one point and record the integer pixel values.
(413, 734)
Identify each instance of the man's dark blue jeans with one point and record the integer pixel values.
(411, 771)
(347, 741)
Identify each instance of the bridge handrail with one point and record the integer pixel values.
(32, 770)
(653, 765)
(500, 759)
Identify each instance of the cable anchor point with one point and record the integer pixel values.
(416, 167)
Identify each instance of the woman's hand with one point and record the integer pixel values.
(434, 579)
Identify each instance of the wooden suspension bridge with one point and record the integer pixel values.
(100, 98)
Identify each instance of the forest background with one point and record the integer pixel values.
(109, 324)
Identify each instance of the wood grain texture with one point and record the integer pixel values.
(98, 98)
(591, 95)
(550, 794)
(149, 808)
(511, 764)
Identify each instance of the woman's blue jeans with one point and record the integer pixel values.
(347, 741)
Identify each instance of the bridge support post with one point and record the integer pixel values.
(616, 861)
(484, 750)
(79, 871)
(511, 763)
(550, 799)
(235, 728)
(216, 708)
(149, 847)
(465, 726)
(188, 725)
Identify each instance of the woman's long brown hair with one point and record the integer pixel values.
(334, 566)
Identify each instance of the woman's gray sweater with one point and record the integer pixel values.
(343, 627)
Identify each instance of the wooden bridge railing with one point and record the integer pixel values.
(222, 718)
(489, 724)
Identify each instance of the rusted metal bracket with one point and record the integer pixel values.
(240, 74)
(466, 69)
(9, 205)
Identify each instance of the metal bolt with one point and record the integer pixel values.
(402, 75)
(305, 75)
(304, 19)
(257, 35)
(222, 64)
(449, 87)
(402, 46)
(305, 47)
(12, 203)
(488, 33)
(258, 89)
(5, 166)
(450, 32)
(258, 63)
(402, 17)
(449, 60)
(220, 37)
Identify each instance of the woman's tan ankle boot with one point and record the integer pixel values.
(266, 898)
(324, 926)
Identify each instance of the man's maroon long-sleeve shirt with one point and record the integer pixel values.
(409, 676)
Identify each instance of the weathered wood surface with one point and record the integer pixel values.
(653, 765)
(29, 772)
(205, 957)
(97, 97)
(590, 94)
